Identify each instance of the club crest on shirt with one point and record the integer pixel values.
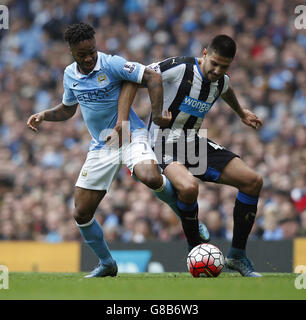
(102, 79)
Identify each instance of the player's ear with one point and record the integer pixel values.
(205, 52)
(69, 48)
(72, 48)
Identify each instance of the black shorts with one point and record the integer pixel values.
(205, 164)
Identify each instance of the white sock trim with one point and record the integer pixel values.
(87, 224)
(160, 189)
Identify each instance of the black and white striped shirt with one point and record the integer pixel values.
(187, 94)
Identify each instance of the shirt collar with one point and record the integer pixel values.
(200, 72)
(96, 68)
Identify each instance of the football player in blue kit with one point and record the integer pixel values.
(94, 82)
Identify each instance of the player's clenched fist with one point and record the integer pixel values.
(35, 120)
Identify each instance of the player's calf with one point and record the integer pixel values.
(86, 202)
(190, 223)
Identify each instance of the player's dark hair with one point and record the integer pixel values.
(223, 45)
(78, 32)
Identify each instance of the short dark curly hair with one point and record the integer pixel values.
(78, 32)
(223, 45)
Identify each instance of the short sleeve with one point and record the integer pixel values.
(226, 84)
(126, 70)
(155, 67)
(169, 75)
(69, 98)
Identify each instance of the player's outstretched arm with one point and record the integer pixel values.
(246, 116)
(153, 81)
(59, 113)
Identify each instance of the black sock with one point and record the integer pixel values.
(190, 222)
(244, 216)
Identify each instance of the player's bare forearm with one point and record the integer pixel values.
(60, 112)
(121, 132)
(230, 98)
(247, 117)
(126, 98)
(153, 81)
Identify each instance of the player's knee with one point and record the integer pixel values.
(254, 185)
(258, 183)
(151, 179)
(189, 191)
(82, 215)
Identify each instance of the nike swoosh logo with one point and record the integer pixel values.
(75, 84)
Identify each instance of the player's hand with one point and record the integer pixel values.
(35, 120)
(164, 120)
(119, 135)
(251, 120)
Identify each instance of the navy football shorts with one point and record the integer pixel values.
(205, 164)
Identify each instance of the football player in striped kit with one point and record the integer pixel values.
(191, 86)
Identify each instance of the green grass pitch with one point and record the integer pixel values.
(149, 286)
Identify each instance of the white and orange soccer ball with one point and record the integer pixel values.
(205, 260)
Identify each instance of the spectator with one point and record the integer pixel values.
(272, 229)
(37, 176)
(214, 223)
(141, 231)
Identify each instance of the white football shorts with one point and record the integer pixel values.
(102, 166)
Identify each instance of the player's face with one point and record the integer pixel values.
(214, 66)
(85, 55)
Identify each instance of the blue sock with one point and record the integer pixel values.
(167, 194)
(94, 237)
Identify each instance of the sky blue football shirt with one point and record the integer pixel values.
(98, 93)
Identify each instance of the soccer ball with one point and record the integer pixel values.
(205, 260)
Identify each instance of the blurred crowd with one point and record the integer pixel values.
(38, 170)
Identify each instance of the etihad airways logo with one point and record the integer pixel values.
(195, 107)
